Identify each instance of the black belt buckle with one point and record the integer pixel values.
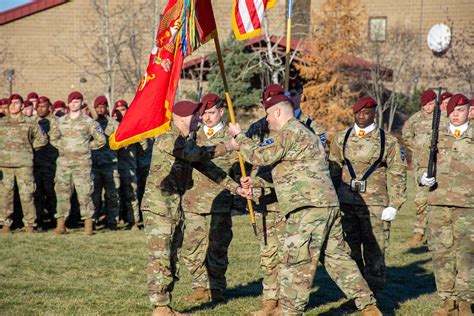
(358, 185)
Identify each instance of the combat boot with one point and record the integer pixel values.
(449, 309)
(88, 227)
(464, 308)
(165, 311)
(134, 228)
(416, 241)
(60, 226)
(199, 295)
(371, 310)
(268, 308)
(217, 296)
(29, 230)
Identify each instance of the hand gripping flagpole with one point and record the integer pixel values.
(288, 45)
(232, 120)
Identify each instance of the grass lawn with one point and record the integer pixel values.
(104, 274)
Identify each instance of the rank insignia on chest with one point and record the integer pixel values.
(361, 133)
(266, 142)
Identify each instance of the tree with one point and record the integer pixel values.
(335, 34)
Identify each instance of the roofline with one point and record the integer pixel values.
(28, 9)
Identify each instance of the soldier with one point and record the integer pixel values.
(309, 204)
(416, 134)
(170, 177)
(451, 211)
(208, 221)
(445, 96)
(127, 168)
(28, 109)
(33, 98)
(3, 107)
(471, 109)
(105, 169)
(59, 108)
(45, 167)
(78, 135)
(364, 159)
(20, 137)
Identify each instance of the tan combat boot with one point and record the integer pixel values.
(5, 229)
(199, 295)
(29, 230)
(88, 227)
(416, 241)
(464, 308)
(371, 310)
(449, 309)
(134, 228)
(60, 226)
(165, 311)
(217, 296)
(269, 307)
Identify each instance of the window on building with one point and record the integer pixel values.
(377, 29)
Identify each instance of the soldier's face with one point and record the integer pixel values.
(444, 105)
(429, 107)
(101, 109)
(212, 116)
(471, 112)
(28, 111)
(272, 118)
(122, 110)
(75, 105)
(460, 115)
(4, 109)
(15, 107)
(34, 101)
(43, 109)
(364, 117)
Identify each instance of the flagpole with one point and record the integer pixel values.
(288, 45)
(232, 120)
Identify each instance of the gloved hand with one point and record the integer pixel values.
(389, 213)
(427, 182)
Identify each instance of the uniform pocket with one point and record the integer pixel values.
(297, 250)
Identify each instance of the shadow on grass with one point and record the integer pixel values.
(418, 250)
(403, 284)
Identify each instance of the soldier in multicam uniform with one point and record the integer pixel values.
(175, 155)
(308, 202)
(105, 172)
(369, 172)
(3, 107)
(78, 134)
(451, 211)
(21, 135)
(45, 167)
(207, 207)
(127, 168)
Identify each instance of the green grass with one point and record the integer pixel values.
(104, 274)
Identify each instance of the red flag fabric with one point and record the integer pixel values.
(183, 28)
(247, 17)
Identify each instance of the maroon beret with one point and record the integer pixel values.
(44, 99)
(186, 108)
(364, 102)
(427, 96)
(209, 101)
(59, 104)
(75, 95)
(15, 97)
(32, 95)
(121, 103)
(101, 100)
(445, 95)
(456, 100)
(4, 101)
(274, 94)
(28, 103)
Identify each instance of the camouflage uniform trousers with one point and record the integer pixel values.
(45, 196)
(421, 198)
(128, 198)
(368, 237)
(451, 242)
(207, 238)
(69, 178)
(106, 177)
(309, 234)
(26, 187)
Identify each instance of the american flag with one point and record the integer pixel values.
(247, 17)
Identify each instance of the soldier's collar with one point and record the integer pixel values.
(361, 132)
(458, 131)
(213, 131)
(20, 119)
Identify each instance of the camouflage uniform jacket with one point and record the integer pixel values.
(386, 186)
(46, 156)
(19, 137)
(104, 155)
(299, 167)
(75, 140)
(454, 170)
(417, 136)
(205, 195)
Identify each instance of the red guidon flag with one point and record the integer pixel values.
(184, 27)
(247, 17)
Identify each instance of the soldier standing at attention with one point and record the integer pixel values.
(451, 211)
(416, 134)
(308, 201)
(105, 168)
(207, 207)
(369, 173)
(28, 109)
(78, 135)
(45, 167)
(170, 177)
(21, 135)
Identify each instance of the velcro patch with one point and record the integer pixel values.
(266, 142)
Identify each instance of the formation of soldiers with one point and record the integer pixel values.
(329, 203)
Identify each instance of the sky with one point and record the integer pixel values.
(9, 4)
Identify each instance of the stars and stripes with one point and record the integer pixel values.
(247, 17)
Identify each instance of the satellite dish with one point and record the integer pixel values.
(439, 38)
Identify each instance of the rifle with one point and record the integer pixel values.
(434, 136)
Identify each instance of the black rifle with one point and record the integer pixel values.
(434, 137)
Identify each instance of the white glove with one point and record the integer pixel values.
(427, 182)
(389, 213)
